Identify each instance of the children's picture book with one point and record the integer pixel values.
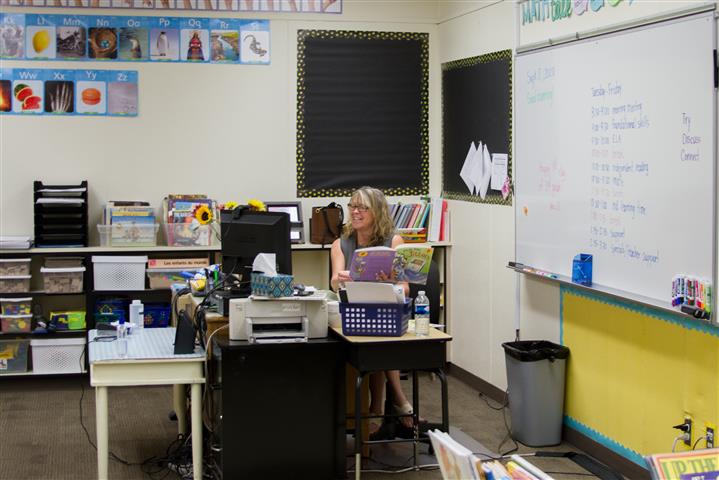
(406, 263)
(456, 462)
(692, 464)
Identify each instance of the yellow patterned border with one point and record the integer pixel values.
(492, 197)
(302, 190)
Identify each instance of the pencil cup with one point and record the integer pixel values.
(582, 269)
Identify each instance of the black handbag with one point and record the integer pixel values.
(326, 223)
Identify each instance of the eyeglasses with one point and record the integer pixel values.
(354, 206)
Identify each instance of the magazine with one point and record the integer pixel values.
(406, 263)
(699, 464)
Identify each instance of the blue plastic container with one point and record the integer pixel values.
(157, 315)
(582, 269)
(375, 319)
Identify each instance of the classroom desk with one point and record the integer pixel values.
(408, 352)
(150, 361)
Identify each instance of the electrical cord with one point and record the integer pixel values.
(703, 437)
(681, 437)
(82, 396)
(503, 408)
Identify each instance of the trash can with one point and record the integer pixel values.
(535, 380)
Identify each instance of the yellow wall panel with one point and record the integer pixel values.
(633, 372)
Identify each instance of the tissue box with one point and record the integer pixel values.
(582, 269)
(279, 285)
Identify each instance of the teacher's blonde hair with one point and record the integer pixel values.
(383, 227)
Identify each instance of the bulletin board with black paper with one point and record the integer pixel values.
(477, 128)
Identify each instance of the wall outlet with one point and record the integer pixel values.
(710, 435)
(689, 438)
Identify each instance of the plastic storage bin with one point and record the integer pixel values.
(58, 355)
(62, 280)
(119, 273)
(15, 323)
(163, 278)
(189, 234)
(15, 284)
(123, 235)
(375, 319)
(63, 262)
(157, 315)
(13, 356)
(74, 320)
(16, 306)
(14, 266)
(535, 379)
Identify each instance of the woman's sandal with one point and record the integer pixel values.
(407, 409)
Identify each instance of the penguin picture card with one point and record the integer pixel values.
(134, 39)
(165, 40)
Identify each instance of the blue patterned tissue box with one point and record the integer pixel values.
(279, 285)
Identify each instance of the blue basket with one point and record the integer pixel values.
(375, 319)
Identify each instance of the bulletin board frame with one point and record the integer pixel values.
(476, 106)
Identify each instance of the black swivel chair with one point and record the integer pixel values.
(432, 289)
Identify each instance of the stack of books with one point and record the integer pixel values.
(130, 223)
(184, 227)
(423, 221)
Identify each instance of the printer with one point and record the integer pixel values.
(278, 320)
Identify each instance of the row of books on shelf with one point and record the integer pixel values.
(423, 221)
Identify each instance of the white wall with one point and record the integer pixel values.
(224, 130)
(483, 289)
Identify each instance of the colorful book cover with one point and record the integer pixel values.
(406, 263)
(693, 464)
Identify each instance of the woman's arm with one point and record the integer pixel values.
(339, 273)
(397, 240)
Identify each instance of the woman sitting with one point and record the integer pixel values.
(370, 225)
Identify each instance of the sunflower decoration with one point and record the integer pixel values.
(229, 206)
(257, 205)
(203, 214)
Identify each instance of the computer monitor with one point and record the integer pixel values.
(245, 233)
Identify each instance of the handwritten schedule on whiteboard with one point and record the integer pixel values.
(615, 144)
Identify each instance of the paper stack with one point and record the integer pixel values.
(14, 242)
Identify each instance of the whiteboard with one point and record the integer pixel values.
(615, 156)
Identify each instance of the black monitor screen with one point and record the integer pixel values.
(246, 233)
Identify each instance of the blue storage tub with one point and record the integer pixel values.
(375, 319)
(157, 315)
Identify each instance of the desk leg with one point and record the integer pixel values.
(358, 425)
(195, 398)
(445, 400)
(102, 431)
(179, 405)
(415, 417)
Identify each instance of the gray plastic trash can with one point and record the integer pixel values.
(535, 379)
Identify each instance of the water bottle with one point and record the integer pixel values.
(137, 316)
(121, 338)
(421, 314)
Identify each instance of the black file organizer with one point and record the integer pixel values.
(60, 224)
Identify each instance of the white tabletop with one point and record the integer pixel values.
(152, 343)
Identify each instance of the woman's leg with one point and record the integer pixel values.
(376, 405)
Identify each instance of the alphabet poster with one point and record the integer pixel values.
(279, 6)
(34, 91)
(134, 39)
